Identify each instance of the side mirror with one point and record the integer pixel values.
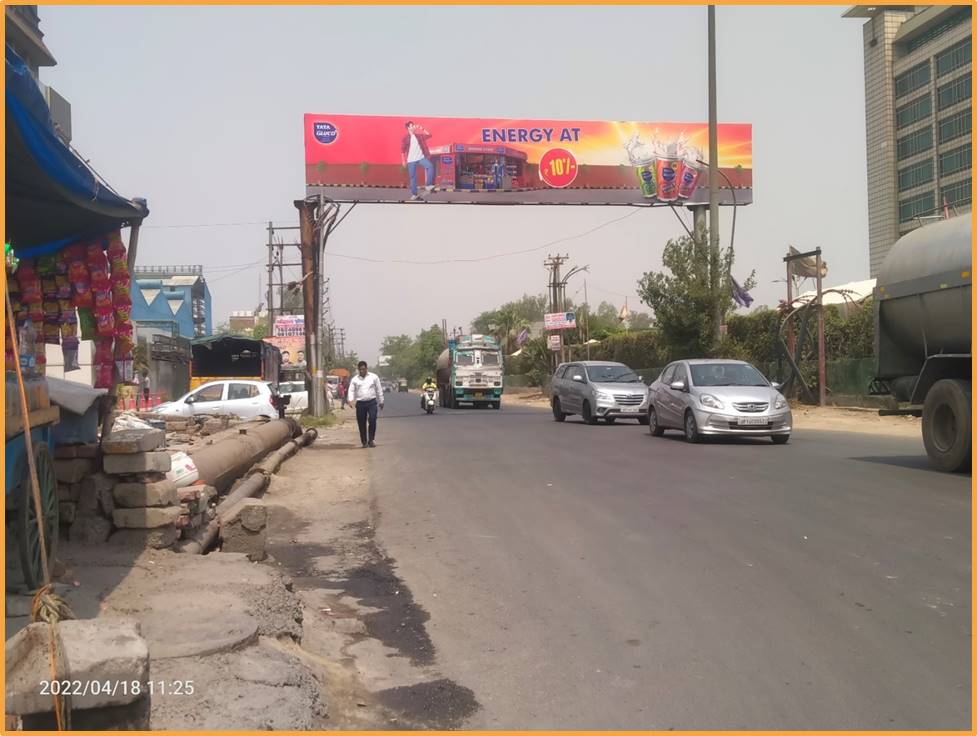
(190, 400)
(776, 386)
(578, 378)
(677, 385)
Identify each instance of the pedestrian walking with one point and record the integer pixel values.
(146, 388)
(366, 395)
(343, 391)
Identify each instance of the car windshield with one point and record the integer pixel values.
(727, 374)
(291, 388)
(612, 374)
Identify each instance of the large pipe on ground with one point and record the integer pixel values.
(228, 458)
(255, 482)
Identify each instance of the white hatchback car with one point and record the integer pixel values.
(242, 398)
(299, 396)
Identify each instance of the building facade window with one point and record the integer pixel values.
(913, 79)
(955, 126)
(921, 204)
(956, 195)
(916, 142)
(952, 58)
(913, 176)
(953, 92)
(955, 161)
(915, 111)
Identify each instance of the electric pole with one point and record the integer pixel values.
(342, 342)
(271, 279)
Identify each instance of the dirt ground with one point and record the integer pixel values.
(322, 634)
(363, 634)
(830, 418)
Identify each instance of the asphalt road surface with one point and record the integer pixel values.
(597, 577)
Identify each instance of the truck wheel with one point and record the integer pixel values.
(946, 425)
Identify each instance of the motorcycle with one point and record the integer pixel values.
(429, 400)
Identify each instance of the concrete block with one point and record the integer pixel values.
(73, 470)
(138, 495)
(98, 483)
(69, 491)
(133, 441)
(89, 529)
(158, 538)
(147, 518)
(99, 650)
(66, 512)
(68, 452)
(144, 462)
(243, 530)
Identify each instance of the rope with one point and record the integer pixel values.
(46, 606)
(50, 608)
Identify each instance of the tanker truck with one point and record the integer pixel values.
(922, 336)
(470, 372)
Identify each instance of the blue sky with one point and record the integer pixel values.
(199, 109)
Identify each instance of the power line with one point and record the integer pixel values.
(492, 257)
(206, 224)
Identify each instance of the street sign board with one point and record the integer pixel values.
(560, 321)
(554, 342)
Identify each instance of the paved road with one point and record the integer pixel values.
(589, 577)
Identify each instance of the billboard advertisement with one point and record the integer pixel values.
(559, 321)
(369, 158)
(289, 325)
(292, 349)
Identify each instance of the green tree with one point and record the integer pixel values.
(682, 300)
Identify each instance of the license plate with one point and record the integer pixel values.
(751, 421)
(630, 409)
(478, 394)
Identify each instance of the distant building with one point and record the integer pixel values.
(241, 321)
(24, 36)
(917, 117)
(173, 300)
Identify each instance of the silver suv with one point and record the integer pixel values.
(598, 390)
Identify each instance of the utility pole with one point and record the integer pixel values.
(714, 280)
(553, 263)
(586, 302)
(342, 342)
(310, 274)
(271, 279)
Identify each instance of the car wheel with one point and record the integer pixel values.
(610, 420)
(558, 414)
(587, 414)
(654, 429)
(691, 428)
(780, 439)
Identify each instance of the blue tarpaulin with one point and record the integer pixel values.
(53, 198)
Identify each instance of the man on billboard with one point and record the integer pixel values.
(414, 152)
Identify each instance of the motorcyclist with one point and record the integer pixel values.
(429, 385)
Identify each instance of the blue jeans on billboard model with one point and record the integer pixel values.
(367, 411)
(412, 173)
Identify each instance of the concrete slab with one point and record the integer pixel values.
(197, 631)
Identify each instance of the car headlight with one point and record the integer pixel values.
(711, 401)
(780, 403)
(604, 396)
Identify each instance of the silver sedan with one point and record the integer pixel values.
(717, 397)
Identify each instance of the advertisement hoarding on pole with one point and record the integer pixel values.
(370, 158)
(554, 342)
(560, 321)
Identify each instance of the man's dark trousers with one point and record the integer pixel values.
(367, 410)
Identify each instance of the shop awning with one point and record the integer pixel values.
(53, 198)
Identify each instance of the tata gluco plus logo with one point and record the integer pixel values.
(325, 132)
